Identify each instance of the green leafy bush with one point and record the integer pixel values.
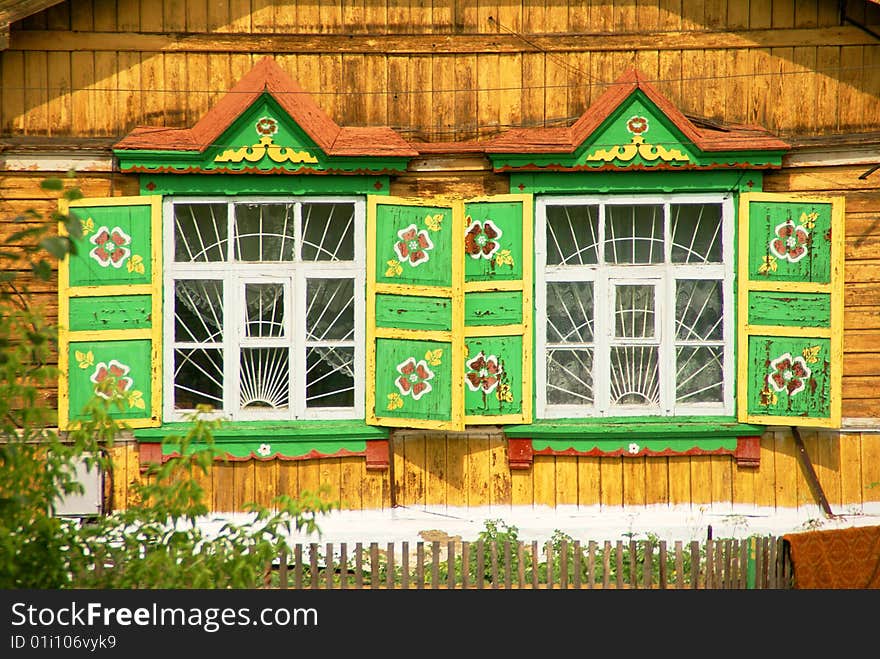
(159, 543)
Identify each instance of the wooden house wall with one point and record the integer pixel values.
(445, 70)
(83, 73)
(437, 470)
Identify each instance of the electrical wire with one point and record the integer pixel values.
(454, 90)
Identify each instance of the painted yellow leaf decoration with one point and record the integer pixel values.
(394, 268)
(136, 399)
(88, 225)
(395, 402)
(135, 264)
(433, 222)
(504, 393)
(503, 257)
(808, 220)
(768, 265)
(433, 357)
(85, 359)
(811, 354)
(768, 397)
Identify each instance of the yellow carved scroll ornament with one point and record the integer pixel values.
(638, 146)
(266, 147)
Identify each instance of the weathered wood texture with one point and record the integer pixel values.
(440, 72)
(759, 562)
(444, 470)
(722, 564)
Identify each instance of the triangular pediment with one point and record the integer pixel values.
(637, 133)
(265, 124)
(634, 127)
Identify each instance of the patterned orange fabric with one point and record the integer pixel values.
(839, 559)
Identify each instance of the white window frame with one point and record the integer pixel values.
(295, 275)
(605, 277)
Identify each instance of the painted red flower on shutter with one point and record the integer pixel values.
(114, 371)
(789, 374)
(791, 242)
(413, 245)
(110, 246)
(483, 373)
(481, 239)
(414, 378)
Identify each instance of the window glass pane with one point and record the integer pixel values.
(329, 377)
(635, 375)
(634, 234)
(328, 232)
(570, 312)
(264, 232)
(200, 233)
(264, 306)
(198, 378)
(570, 377)
(330, 309)
(634, 312)
(264, 377)
(696, 233)
(699, 374)
(198, 310)
(698, 310)
(572, 235)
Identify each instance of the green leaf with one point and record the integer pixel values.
(26, 233)
(43, 270)
(74, 226)
(52, 184)
(57, 246)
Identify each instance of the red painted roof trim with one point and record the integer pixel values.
(567, 140)
(268, 77)
(632, 168)
(141, 169)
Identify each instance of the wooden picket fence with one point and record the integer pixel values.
(752, 563)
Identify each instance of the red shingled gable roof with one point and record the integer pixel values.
(566, 140)
(267, 76)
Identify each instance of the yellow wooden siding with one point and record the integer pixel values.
(443, 72)
(451, 73)
(431, 471)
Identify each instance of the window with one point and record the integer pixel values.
(264, 307)
(634, 305)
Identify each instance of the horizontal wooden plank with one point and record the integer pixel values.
(861, 341)
(859, 364)
(425, 185)
(862, 294)
(27, 186)
(856, 318)
(819, 179)
(861, 386)
(863, 201)
(862, 235)
(866, 271)
(345, 42)
(862, 408)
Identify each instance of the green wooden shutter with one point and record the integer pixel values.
(110, 310)
(449, 308)
(414, 274)
(790, 310)
(498, 309)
